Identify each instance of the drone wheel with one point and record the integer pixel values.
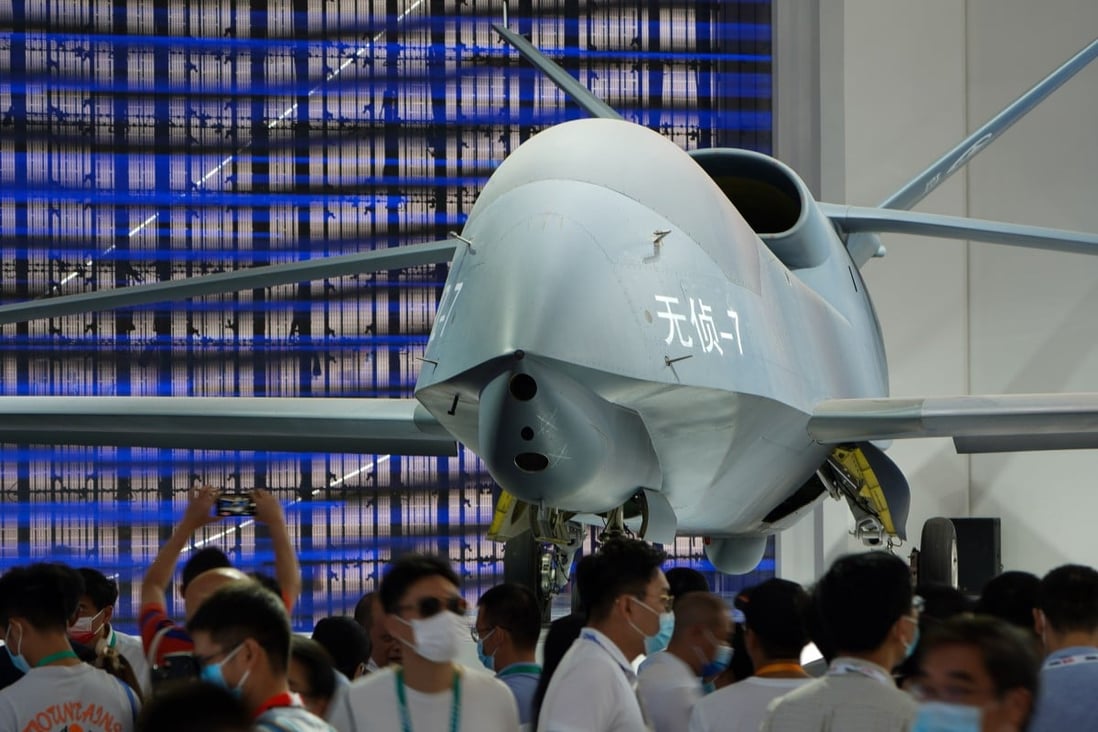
(938, 553)
(523, 564)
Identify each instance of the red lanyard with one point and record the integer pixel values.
(285, 699)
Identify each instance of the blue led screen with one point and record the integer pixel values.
(146, 141)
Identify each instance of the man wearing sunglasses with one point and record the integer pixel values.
(426, 614)
(629, 604)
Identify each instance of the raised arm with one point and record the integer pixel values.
(154, 587)
(287, 571)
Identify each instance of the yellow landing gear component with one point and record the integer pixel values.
(509, 518)
(860, 485)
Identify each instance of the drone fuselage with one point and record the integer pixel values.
(615, 323)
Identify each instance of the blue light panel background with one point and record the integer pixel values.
(146, 141)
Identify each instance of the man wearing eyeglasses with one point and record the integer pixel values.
(870, 615)
(425, 612)
(978, 674)
(506, 633)
(241, 636)
(628, 600)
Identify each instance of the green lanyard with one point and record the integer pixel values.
(56, 657)
(530, 669)
(402, 703)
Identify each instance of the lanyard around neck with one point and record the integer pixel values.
(531, 669)
(402, 703)
(60, 655)
(1075, 659)
(779, 668)
(856, 667)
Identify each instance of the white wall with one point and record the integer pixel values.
(902, 82)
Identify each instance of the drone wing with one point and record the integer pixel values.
(366, 426)
(242, 279)
(977, 424)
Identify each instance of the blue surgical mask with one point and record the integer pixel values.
(488, 661)
(943, 717)
(909, 649)
(658, 642)
(719, 663)
(212, 673)
(17, 658)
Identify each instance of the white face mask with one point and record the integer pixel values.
(437, 638)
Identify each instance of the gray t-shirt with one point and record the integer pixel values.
(60, 698)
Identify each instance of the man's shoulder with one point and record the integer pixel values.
(664, 667)
(828, 692)
(483, 684)
(291, 719)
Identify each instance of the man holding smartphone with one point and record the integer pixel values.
(160, 635)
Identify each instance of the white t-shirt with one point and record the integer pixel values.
(59, 698)
(592, 690)
(129, 646)
(370, 703)
(740, 707)
(669, 690)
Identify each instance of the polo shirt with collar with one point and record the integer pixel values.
(592, 690)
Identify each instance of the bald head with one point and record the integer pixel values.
(205, 584)
(700, 610)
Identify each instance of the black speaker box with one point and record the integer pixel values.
(979, 552)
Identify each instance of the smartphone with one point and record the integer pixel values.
(175, 667)
(235, 504)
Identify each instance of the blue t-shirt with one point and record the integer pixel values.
(1066, 698)
(522, 680)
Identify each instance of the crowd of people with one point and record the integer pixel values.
(646, 649)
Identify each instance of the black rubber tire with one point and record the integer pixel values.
(522, 566)
(938, 553)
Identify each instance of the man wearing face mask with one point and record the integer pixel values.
(506, 633)
(775, 632)
(594, 687)
(977, 674)
(92, 626)
(36, 603)
(868, 611)
(241, 636)
(425, 612)
(669, 683)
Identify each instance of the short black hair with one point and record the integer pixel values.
(406, 571)
(245, 609)
(861, 597)
(318, 665)
(776, 612)
(684, 579)
(940, 603)
(621, 566)
(194, 706)
(46, 594)
(514, 608)
(1009, 654)
(267, 581)
(364, 610)
(209, 557)
(1069, 598)
(346, 642)
(102, 590)
(1011, 596)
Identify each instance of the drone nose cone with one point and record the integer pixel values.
(546, 437)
